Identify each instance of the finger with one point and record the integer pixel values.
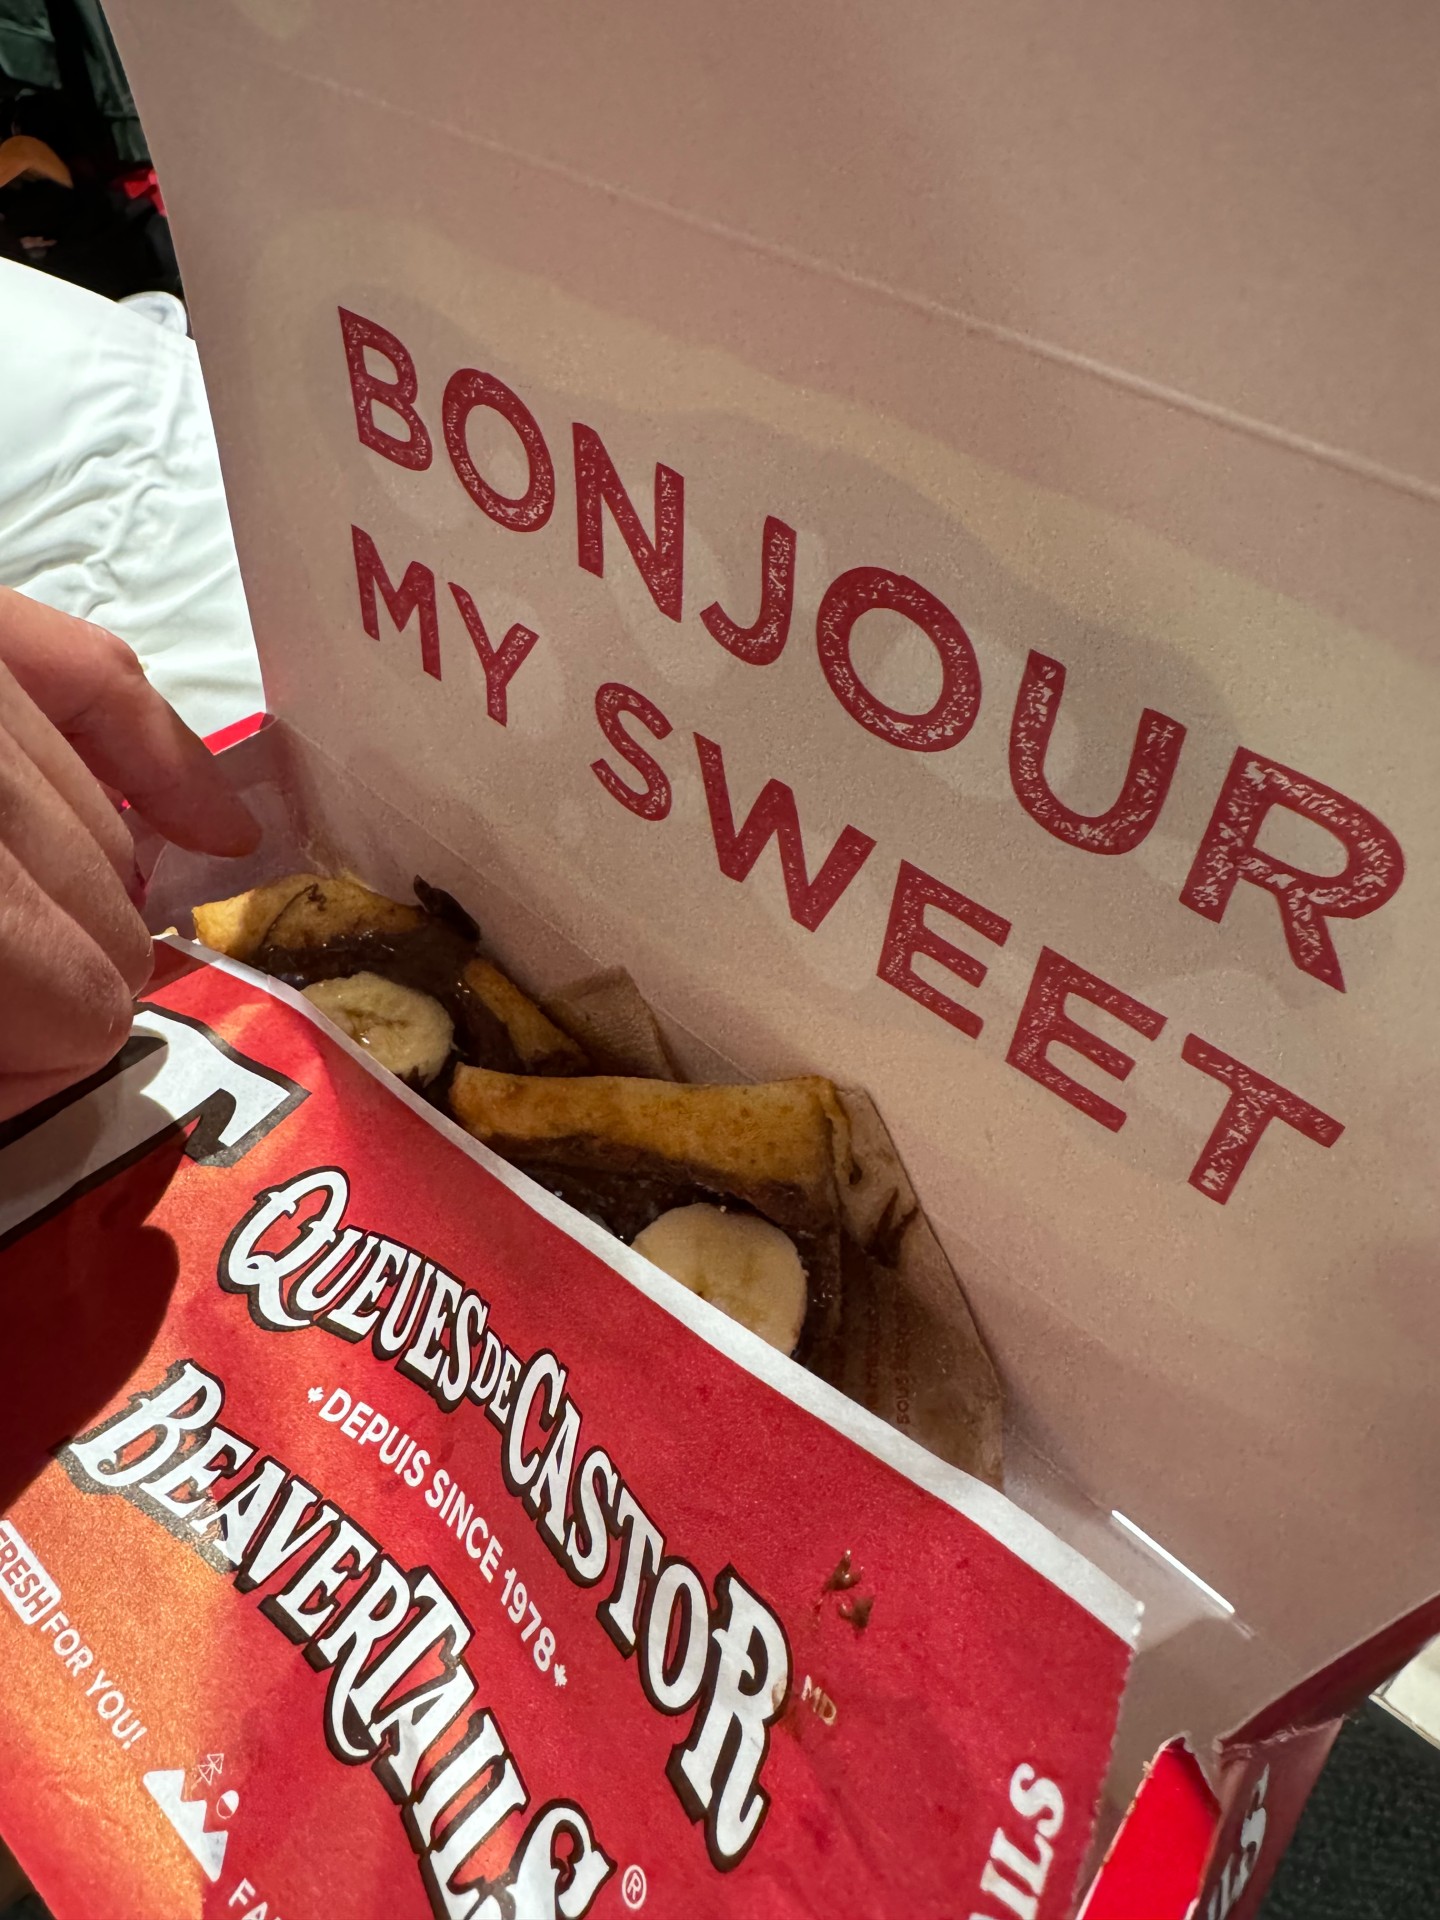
(49, 846)
(67, 773)
(64, 1007)
(21, 1091)
(94, 690)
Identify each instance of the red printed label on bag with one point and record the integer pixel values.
(400, 1556)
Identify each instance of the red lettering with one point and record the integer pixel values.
(501, 663)
(763, 642)
(467, 390)
(906, 934)
(1373, 869)
(860, 591)
(1158, 740)
(1044, 1022)
(654, 800)
(399, 394)
(597, 485)
(415, 593)
(774, 816)
(1254, 1102)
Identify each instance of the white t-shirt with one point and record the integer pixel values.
(111, 502)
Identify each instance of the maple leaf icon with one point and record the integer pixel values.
(315, 1393)
(559, 1673)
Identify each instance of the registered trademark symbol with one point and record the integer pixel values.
(633, 1888)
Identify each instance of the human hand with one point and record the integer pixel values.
(76, 710)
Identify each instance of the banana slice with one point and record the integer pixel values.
(738, 1262)
(406, 1031)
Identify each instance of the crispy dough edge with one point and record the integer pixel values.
(237, 927)
(326, 908)
(533, 1034)
(774, 1131)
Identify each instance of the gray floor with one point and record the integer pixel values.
(1368, 1844)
